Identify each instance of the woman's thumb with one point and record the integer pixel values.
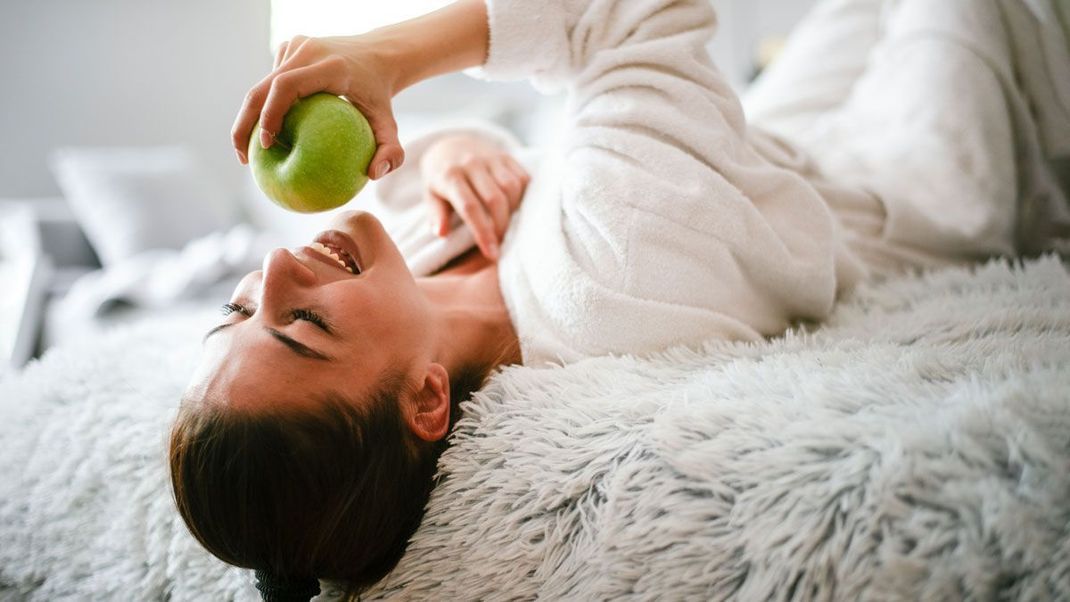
(389, 155)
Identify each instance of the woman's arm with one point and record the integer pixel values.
(368, 70)
(450, 39)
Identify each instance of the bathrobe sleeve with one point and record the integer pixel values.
(662, 194)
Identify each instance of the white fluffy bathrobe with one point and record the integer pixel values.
(660, 218)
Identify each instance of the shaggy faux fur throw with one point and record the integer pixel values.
(917, 446)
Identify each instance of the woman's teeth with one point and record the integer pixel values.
(325, 250)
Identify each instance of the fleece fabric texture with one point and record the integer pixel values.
(915, 447)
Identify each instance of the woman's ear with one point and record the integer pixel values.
(429, 407)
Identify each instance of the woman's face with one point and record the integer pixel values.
(270, 349)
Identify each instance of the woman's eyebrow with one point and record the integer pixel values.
(296, 346)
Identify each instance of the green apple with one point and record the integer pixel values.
(319, 160)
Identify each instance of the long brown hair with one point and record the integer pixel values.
(331, 490)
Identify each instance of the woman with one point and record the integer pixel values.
(306, 444)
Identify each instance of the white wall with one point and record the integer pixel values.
(742, 24)
(139, 72)
(117, 72)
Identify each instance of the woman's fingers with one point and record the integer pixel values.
(439, 209)
(304, 66)
(388, 155)
(490, 192)
(467, 204)
(280, 55)
(481, 182)
(287, 87)
(253, 104)
(292, 46)
(517, 169)
(510, 182)
(247, 116)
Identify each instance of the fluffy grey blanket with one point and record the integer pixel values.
(916, 446)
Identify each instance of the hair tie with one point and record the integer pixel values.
(285, 589)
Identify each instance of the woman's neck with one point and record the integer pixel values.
(473, 323)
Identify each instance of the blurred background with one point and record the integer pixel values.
(120, 196)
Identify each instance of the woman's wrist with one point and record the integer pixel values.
(450, 39)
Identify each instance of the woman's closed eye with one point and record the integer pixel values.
(311, 316)
(297, 314)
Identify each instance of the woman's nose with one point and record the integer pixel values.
(282, 272)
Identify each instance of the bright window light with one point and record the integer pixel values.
(340, 17)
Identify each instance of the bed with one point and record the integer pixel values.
(915, 446)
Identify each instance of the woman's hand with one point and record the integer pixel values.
(479, 180)
(355, 67)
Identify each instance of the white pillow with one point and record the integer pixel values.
(130, 200)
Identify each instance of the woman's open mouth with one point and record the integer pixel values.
(340, 248)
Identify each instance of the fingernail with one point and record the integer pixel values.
(493, 247)
(382, 170)
(241, 157)
(265, 138)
